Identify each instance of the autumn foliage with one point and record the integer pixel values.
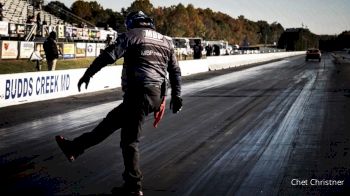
(180, 21)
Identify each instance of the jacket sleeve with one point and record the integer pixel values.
(111, 54)
(174, 75)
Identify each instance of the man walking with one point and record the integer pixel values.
(51, 51)
(148, 55)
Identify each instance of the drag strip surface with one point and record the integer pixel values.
(236, 135)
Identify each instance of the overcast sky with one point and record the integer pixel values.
(320, 16)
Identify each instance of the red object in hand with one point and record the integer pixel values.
(158, 115)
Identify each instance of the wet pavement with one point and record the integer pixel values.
(281, 128)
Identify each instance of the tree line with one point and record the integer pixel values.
(188, 21)
(335, 42)
(176, 21)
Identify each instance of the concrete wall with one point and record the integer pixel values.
(37, 86)
(239, 60)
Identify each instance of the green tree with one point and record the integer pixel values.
(197, 28)
(82, 9)
(177, 24)
(141, 5)
(57, 8)
(99, 16)
(264, 31)
(298, 39)
(181, 21)
(115, 20)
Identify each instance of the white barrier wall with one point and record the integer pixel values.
(224, 62)
(36, 86)
(193, 66)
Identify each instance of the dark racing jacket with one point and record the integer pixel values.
(50, 48)
(148, 56)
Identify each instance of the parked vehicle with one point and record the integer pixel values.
(182, 47)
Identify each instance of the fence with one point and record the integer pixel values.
(24, 49)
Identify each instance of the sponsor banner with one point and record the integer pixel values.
(68, 51)
(60, 31)
(90, 49)
(17, 88)
(17, 30)
(80, 49)
(36, 86)
(103, 34)
(82, 33)
(9, 49)
(69, 32)
(40, 47)
(52, 28)
(4, 28)
(94, 34)
(47, 29)
(99, 48)
(12, 30)
(74, 32)
(85, 34)
(21, 30)
(26, 49)
(60, 49)
(79, 33)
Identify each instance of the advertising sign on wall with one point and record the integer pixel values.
(9, 49)
(4, 28)
(35, 86)
(60, 31)
(47, 29)
(60, 49)
(12, 30)
(80, 49)
(79, 33)
(85, 34)
(94, 34)
(103, 34)
(70, 33)
(90, 49)
(17, 30)
(40, 47)
(26, 49)
(74, 32)
(99, 48)
(17, 88)
(68, 51)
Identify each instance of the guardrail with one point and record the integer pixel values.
(37, 86)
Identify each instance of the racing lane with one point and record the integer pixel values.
(238, 134)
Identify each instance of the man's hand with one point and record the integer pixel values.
(176, 104)
(85, 79)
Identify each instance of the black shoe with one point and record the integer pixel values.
(123, 191)
(67, 148)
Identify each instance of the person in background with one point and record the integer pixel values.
(51, 51)
(1, 10)
(197, 49)
(209, 49)
(36, 57)
(38, 24)
(216, 50)
(148, 57)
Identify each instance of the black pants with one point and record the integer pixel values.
(138, 102)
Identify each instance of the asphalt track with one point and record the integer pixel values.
(245, 132)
